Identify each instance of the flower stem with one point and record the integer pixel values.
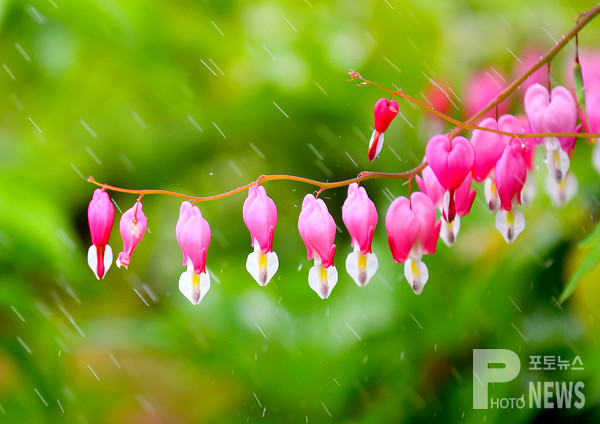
(363, 176)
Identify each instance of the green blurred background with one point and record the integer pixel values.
(186, 96)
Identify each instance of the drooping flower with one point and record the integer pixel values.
(412, 232)
(488, 148)
(554, 112)
(510, 177)
(101, 214)
(133, 227)
(451, 161)
(317, 229)
(260, 216)
(481, 88)
(360, 217)
(193, 234)
(385, 111)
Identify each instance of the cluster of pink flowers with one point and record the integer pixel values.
(504, 163)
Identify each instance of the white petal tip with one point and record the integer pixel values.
(262, 267)
(361, 267)
(562, 192)
(510, 224)
(492, 197)
(375, 145)
(449, 231)
(106, 260)
(193, 286)
(322, 280)
(416, 274)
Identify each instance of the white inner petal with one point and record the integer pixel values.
(194, 286)
(261, 266)
(492, 198)
(361, 267)
(379, 143)
(322, 280)
(562, 192)
(558, 163)
(416, 274)
(93, 259)
(449, 231)
(510, 224)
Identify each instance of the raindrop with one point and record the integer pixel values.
(87, 127)
(281, 110)
(41, 397)
(17, 313)
(23, 52)
(290, 24)
(93, 155)
(20, 340)
(34, 124)
(218, 29)
(194, 123)
(219, 129)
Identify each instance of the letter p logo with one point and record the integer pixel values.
(483, 374)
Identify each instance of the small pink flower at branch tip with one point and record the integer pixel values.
(317, 229)
(133, 227)
(260, 216)
(385, 111)
(193, 235)
(101, 215)
(360, 217)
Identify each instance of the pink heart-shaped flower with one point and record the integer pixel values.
(450, 160)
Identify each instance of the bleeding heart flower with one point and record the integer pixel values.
(193, 234)
(510, 177)
(317, 229)
(101, 214)
(385, 111)
(488, 146)
(133, 227)
(360, 217)
(450, 160)
(554, 112)
(412, 232)
(260, 216)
